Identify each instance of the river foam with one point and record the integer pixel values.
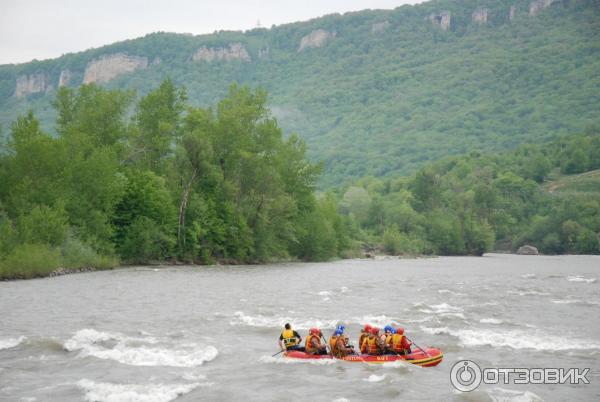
(375, 378)
(108, 392)
(8, 343)
(442, 310)
(494, 321)
(515, 339)
(580, 278)
(239, 318)
(508, 395)
(137, 351)
(285, 360)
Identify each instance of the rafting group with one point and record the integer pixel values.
(374, 346)
(371, 342)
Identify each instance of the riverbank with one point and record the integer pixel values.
(60, 271)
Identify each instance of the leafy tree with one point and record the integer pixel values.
(158, 121)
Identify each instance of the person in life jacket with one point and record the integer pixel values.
(373, 345)
(313, 344)
(290, 339)
(363, 334)
(388, 332)
(338, 343)
(400, 345)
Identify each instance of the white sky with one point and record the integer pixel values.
(43, 29)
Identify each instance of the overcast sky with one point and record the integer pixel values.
(42, 29)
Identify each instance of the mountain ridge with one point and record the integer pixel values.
(407, 85)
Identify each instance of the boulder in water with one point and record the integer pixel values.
(527, 250)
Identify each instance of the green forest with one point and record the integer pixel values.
(543, 195)
(394, 135)
(390, 92)
(172, 182)
(158, 180)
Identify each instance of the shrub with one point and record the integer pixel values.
(145, 241)
(43, 225)
(396, 243)
(77, 254)
(29, 261)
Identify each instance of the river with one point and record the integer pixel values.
(207, 333)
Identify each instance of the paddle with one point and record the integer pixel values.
(422, 350)
(281, 351)
(326, 345)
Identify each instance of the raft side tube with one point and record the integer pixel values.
(433, 357)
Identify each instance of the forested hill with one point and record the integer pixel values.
(372, 92)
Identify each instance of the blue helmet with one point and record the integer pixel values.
(340, 328)
(339, 332)
(389, 328)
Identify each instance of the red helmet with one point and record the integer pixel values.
(367, 328)
(400, 331)
(314, 331)
(374, 330)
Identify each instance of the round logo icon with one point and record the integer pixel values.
(465, 375)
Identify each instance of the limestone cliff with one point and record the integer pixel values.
(263, 53)
(442, 19)
(65, 78)
(480, 16)
(538, 5)
(30, 84)
(380, 26)
(234, 51)
(512, 13)
(110, 66)
(317, 38)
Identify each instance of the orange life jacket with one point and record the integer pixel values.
(333, 342)
(309, 348)
(362, 337)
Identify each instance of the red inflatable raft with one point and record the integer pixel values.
(431, 358)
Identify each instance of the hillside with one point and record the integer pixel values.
(371, 92)
(588, 182)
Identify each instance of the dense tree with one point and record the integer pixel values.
(463, 205)
(175, 182)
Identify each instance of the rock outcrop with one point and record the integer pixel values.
(441, 19)
(538, 5)
(110, 66)
(512, 13)
(480, 16)
(527, 250)
(317, 38)
(263, 53)
(31, 84)
(65, 78)
(234, 51)
(380, 26)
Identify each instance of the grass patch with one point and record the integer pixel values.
(30, 261)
